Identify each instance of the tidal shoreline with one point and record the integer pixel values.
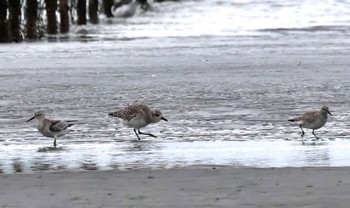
(228, 100)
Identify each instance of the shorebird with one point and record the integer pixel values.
(125, 8)
(51, 128)
(137, 116)
(312, 120)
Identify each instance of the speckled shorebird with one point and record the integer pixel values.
(51, 128)
(312, 120)
(138, 116)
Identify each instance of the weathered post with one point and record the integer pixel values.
(15, 20)
(64, 17)
(107, 7)
(32, 17)
(93, 8)
(51, 8)
(81, 11)
(4, 32)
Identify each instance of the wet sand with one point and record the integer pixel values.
(282, 69)
(205, 186)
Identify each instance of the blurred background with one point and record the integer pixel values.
(137, 19)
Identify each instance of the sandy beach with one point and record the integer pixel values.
(228, 75)
(235, 123)
(202, 131)
(205, 186)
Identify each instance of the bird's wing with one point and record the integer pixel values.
(309, 117)
(131, 111)
(59, 125)
(121, 3)
(143, 108)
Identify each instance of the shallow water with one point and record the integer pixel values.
(152, 154)
(227, 97)
(193, 18)
(222, 110)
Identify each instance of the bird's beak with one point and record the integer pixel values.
(329, 113)
(31, 118)
(164, 119)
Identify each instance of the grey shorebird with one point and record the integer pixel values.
(51, 128)
(125, 8)
(138, 116)
(312, 120)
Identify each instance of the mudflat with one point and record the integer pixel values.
(204, 186)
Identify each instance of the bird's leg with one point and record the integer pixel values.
(54, 143)
(313, 132)
(147, 134)
(302, 133)
(302, 140)
(137, 134)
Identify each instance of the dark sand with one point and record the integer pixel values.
(189, 187)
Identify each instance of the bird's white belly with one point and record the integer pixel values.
(314, 125)
(135, 123)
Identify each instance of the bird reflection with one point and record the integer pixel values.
(317, 156)
(17, 166)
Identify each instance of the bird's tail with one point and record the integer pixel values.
(114, 114)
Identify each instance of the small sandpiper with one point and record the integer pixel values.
(312, 120)
(125, 8)
(51, 128)
(138, 116)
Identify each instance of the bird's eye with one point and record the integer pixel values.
(157, 115)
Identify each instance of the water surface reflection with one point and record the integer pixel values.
(156, 155)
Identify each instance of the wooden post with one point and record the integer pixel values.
(64, 17)
(93, 9)
(51, 8)
(107, 7)
(81, 10)
(4, 29)
(72, 5)
(15, 20)
(32, 17)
